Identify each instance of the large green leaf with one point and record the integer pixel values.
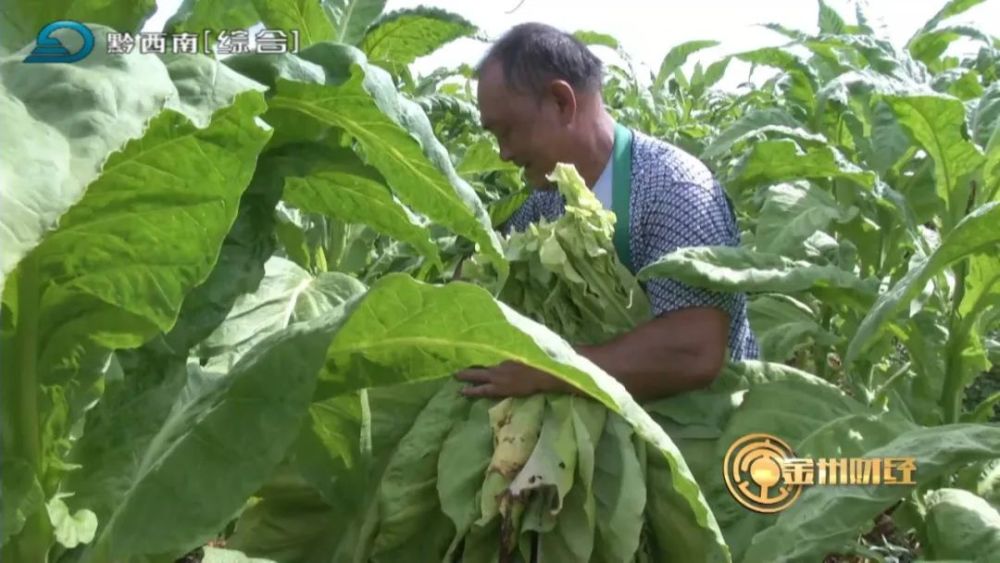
(889, 141)
(783, 160)
(961, 525)
(123, 258)
(829, 20)
(23, 19)
(305, 16)
(596, 38)
(289, 520)
(404, 330)
(676, 58)
(806, 531)
(985, 121)
(410, 514)
(991, 169)
(974, 234)
(808, 413)
(620, 493)
(851, 435)
(399, 38)
(966, 356)
(194, 16)
(782, 325)
(792, 213)
(396, 138)
(801, 83)
(757, 122)
(357, 199)
(464, 459)
(241, 265)
(31, 182)
(351, 18)
(70, 119)
(790, 406)
(22, 496)
(952, 8)
(714, 73)
(725, 268)
(324, 506)
(483, 157)
(928, 47)
(937, 124)
(287, 294)
(203, 85)
(179, 489)
(435, 331)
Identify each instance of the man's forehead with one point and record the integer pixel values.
(493, 94)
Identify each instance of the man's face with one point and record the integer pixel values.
(530, 131)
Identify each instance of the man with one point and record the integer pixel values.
(539, 93)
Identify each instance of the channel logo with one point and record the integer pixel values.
(48, 49)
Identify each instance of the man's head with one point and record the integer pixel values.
(539, 91)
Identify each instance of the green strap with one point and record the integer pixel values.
(621, 191)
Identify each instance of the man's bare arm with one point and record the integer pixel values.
(676, 352)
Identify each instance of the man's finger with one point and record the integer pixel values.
(474, 375)
(484, 390)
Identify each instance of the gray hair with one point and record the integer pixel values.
(532, 54)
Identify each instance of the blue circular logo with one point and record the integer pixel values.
(48, 49)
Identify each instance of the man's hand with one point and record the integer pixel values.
(674, 353)
(509, 379)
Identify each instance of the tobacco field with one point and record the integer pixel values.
(232, 303)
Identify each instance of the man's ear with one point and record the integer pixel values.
(565, 98)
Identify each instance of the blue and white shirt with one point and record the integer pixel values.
(675, 203)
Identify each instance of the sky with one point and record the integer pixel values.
(647, 29)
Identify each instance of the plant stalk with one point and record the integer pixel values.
(32, 543)
(951, 393)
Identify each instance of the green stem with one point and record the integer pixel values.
(884, 388)
(32, 543)
(819, 351)
(951, 393)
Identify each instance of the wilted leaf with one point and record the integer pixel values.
(73, 529)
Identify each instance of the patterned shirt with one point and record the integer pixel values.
(675, 203)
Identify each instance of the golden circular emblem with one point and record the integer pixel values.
(753, 472)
